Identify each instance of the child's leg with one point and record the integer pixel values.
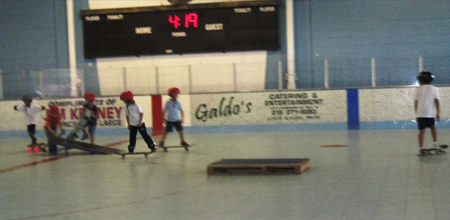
(51, 146)
(420, 137)
(167, 130)
(434, 134)
(179, 128)
(85, 134)
(91, 130)
(163, 137)
(180, 133)
(31, 129)
(133, 132)
(147, 138)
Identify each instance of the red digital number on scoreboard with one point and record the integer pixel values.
(188, 18)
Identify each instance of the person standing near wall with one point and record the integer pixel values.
(135, 122)
(31, 113)
(92, 118)
(173, 106)
(426, 107)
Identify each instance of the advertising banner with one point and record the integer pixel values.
(110, 110)
(269, 108)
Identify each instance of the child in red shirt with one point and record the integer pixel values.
(52, 123)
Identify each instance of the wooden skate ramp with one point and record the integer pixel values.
(91, 148)
(258, 166)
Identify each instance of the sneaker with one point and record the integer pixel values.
(184, 143)
(436, 146)
(152, 147)
(85, 136)
(422, 152)
(131, 149)
(161, 143)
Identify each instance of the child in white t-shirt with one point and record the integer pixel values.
(426, 107)
(135, 122)
(31, 113)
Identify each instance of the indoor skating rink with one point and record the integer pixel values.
(378, 176)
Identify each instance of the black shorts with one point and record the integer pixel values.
(171, 124)
(423, 123)
(31, 128)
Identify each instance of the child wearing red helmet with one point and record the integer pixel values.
(172, 107)
(52, 123)
(90, 112)
(135, 122)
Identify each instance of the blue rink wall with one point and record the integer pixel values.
(346, 33)
(353, 109)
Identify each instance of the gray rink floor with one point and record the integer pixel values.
(379, 176)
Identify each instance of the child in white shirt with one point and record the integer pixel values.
(135, 122)
(426, 107)
(31, 113)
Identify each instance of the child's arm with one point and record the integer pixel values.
(61, 129)
(415, 106)
(16, 107)
(95, 114)
(164, 115)
(182, 116)
(50, 129)
(436, 103)
(128, 121)
(141, 116)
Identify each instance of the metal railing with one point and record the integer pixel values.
(228, 77)
(381, 72)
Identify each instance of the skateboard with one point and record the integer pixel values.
(429, 151)
(34, 148)
(144, 153)
(166, 148)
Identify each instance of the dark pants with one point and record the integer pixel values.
(31, 128)
(423, 123)
(51, 146)
(143, 130)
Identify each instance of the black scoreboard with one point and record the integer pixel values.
(180, 29)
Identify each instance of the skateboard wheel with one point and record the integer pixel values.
(123, 156)
(165, 149)
(42, 147)
(186, 148)
(146, 155)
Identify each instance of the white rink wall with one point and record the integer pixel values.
(247, 108)
(395, 104)
(215, 72)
